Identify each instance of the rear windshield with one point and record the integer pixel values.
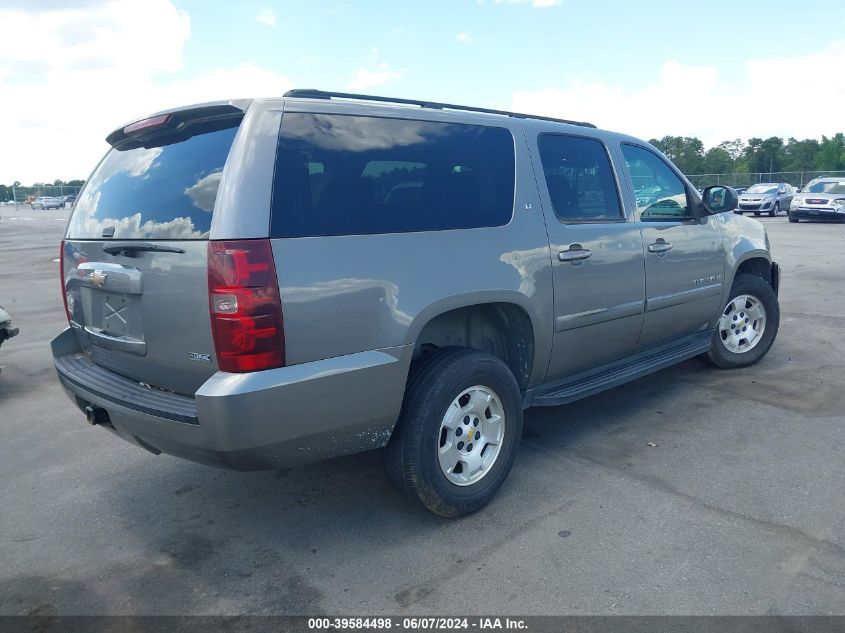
(163, 192)
(353, 175)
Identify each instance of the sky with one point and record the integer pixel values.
(72, 71)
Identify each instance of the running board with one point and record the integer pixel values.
(617, 373)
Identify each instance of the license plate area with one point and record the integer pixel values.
(114, 314)
(113, 319)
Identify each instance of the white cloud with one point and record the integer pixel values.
(366, 78)
(266, 16)
(698, 101)
(94, 68)
(374, 73)
(465, 37)
(203, 193)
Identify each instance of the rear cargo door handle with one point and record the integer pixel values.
(574, 254)
(660, 247)
(123, 343)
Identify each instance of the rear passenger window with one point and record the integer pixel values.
(353, 175)
(579, 178)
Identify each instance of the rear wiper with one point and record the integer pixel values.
(130, 249)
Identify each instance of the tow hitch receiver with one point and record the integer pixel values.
(96, 415)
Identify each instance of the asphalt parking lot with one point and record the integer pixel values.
(738, 509)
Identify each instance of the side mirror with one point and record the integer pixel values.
(716, 199)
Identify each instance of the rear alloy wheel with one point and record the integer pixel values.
(748, 324)
(471, 435)
(775, 210)
(458, 432)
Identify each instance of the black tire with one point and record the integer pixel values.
(758, 287)
(411, 458)
(756, 213)
(775, 210)
(793, 219)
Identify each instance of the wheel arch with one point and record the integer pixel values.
(755, 262)
(503, 324)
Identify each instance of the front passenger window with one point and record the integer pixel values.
(661, 195)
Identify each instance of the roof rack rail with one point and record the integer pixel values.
(308, 93)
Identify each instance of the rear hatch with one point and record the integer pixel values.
(134, 260)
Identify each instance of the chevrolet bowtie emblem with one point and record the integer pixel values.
(98, 278)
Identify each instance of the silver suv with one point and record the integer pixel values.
(266, 283)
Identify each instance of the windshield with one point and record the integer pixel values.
(762, 189)
(157, 192)
(825, 187)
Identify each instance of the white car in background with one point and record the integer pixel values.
(819, 199)
(6, 329)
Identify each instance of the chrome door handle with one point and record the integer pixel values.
(574, 255)
(659, 247)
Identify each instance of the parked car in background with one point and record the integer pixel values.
(6, 329)
(376, 276)
(820, 198)
(46, 202)
(766, 197)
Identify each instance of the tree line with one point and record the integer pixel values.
(687, 152)
(756, 156)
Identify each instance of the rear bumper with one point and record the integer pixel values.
(269, 419)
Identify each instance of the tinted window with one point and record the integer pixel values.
(579, 178)
(661, 194)
(156, 192)
(347, 175)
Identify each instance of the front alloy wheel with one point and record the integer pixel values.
(742, 324)
(748, 324)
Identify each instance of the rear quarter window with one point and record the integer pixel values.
(158, 192)
(354, 175)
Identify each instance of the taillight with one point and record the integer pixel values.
(62, 279)
(246, 310)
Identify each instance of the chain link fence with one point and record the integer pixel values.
(794, 178)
